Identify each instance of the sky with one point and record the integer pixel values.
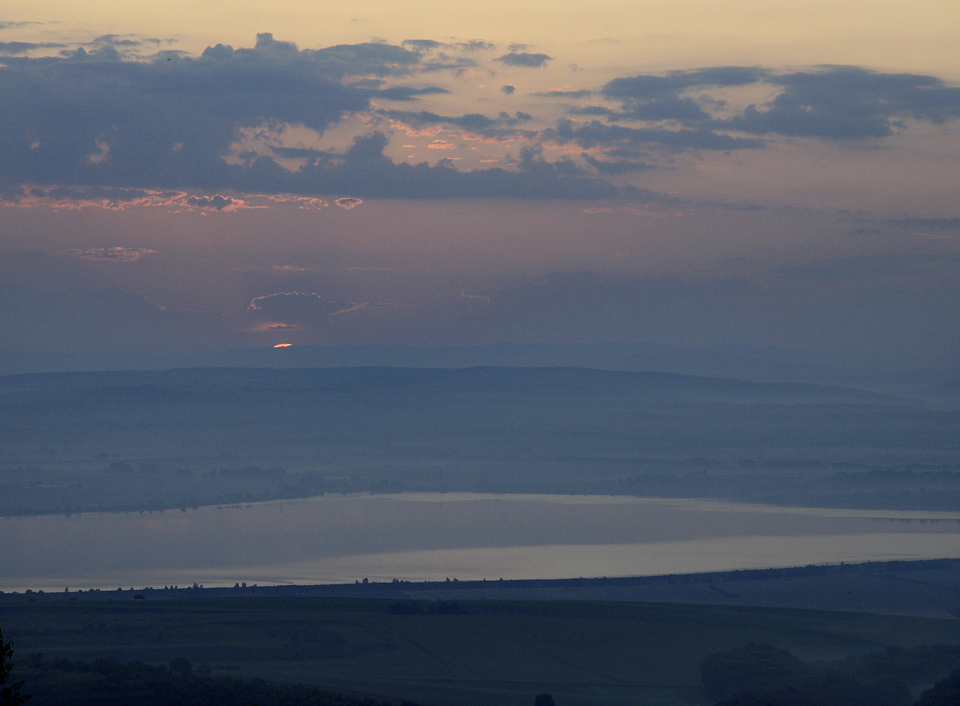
(184, 178)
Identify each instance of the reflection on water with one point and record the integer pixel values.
(422, 536)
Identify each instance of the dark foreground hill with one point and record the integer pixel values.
(473, 653)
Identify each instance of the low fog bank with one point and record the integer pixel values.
(151, 440)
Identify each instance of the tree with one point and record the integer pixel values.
(9, 695)
(544, 700)
(944, 693)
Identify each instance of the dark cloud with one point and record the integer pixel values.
(689, 110)
(475, 45)
(938, 224)
(508, 89)
(115, 254)
(215, 202)
(516, 58)
(371, 58)
(365, 171)
(593, 110)
(423, 44)
(595, 134)
(650, 97)
(300, 153)
(645, 87)
(582, 93)
(100, 193)
(14, 48)
(832, 102)
(97, 118)
(849, 103)
(105, 117)
(406, 93)
(617, 166)
(474, 122)
(126, 41)
(170, 122)
(866, 267)
(14, 25)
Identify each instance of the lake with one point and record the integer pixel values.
(433, 536)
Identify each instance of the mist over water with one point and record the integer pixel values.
(433, 536)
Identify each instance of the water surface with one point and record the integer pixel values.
(433, 536)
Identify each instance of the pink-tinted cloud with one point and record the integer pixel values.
(348, 202)
(114, 254)
(120, 199)
(481, 298)
(370, 269)
(309, 303)
(302, 202)
(216, 202)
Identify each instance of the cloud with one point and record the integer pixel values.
(865, 267)
(122, 45)
(297, 308)
(169, 122)
(119, 199)
(348, 202)
(302, 202)
(16, 25)
(524, 59)
(253, 120)
(407, 93)
(646, 86)
(472, 122)
(365, 170)
(617, 166)
(832, 102)
(475, 45)
(14, 48)
(698, 109)
(114, 254)
(664, 97)
(479, 298)
(561, 93)
(423, 44)
(596, 133)
(849, 103)
(938, 224)
(215, 202)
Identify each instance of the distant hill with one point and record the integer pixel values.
(742, 362)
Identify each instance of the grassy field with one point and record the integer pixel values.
(443, 652)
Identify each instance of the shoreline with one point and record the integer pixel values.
(928, 587)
